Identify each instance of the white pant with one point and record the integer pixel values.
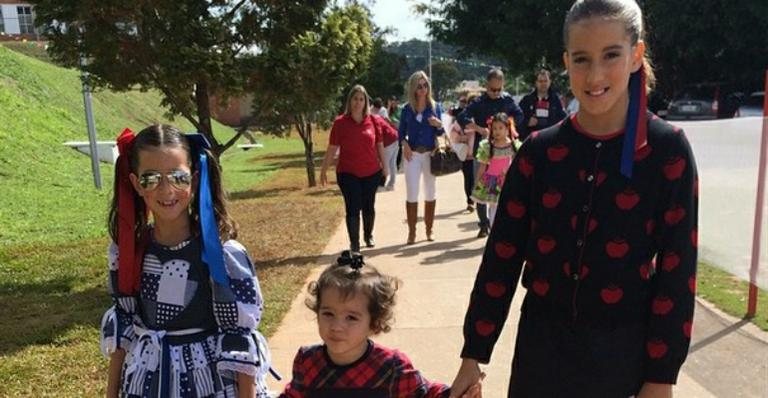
(491, 212)
(390, 155)
(419, 166)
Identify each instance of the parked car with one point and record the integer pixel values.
(752, 105)
(702, 101)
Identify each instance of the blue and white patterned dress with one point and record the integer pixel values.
(184, 334)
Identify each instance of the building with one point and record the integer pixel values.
(17, 20)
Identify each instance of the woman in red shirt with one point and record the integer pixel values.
(359, 169)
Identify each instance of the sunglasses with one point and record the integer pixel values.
(177, 178)
(422, 86)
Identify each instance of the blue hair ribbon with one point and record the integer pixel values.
(635, 132)
(213, 252)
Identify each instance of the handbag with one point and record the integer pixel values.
(444, 160)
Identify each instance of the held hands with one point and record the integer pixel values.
(533, 121)
(323, 178)
(467, 381)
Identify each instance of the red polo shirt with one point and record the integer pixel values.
(388, 133)
(358, 154)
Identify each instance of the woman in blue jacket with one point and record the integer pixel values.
(420, 124)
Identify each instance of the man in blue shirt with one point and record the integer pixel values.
(474, 118)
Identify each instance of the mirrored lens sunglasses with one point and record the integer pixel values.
(177, 178)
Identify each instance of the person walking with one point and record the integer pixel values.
(541, 107)
(361, 164)
(475, 118)
(600, 217)
(420, 124)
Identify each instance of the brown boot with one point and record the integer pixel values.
(411, 212)
(429, 217)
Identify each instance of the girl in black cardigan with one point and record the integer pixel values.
(599, 214)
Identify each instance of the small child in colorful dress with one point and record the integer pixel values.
(186, 306)
(495, 155)
(354, 302)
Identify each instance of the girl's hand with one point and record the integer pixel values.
(655, 390)
(469, 375)
(323, 178)
(407, 153)
(435, 122)
(476, 391)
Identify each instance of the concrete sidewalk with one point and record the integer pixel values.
(438, 277)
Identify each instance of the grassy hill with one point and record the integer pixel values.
(44, 183)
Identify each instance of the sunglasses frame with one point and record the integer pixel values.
(175, 178)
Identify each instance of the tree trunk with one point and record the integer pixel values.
(204, 116)
(305, 132)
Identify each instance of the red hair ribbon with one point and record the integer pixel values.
(130, 253)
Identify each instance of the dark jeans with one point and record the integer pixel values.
(359, 195)
(482, 209)
(468, 169)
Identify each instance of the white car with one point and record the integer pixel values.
(752, 105)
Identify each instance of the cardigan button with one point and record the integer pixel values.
(598, 145)
(575, 277)
(585, 209)
(579, 243)
(590, 178)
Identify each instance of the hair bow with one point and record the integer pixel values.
(130, 253)
(213, 252)
(353, 259)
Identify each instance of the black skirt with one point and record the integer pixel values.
(556, 358)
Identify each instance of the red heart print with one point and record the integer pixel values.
(617, 248)
(627, 199)
(551, 199)
(692, 284)
(505, 250)
(674, 215)
(484, 327)
(515, 209)
(526, 168)
(687, 329)
(495, 289)
(656, 349)
(611, 294)
(546, 244)
(670, 261)
(650, 225)
(662, 305)
(642, 153)
(557, 152)
(673, 169)
(540, 287)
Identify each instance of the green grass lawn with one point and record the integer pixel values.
(52, 224)
(729, 294)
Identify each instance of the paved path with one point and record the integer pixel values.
(438, 278)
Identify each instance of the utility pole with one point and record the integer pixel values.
(430, 59)
(89, 115)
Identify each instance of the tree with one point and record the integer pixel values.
(695, 41)
(523, 33)
(383, 78)
(445, 77)
(691, 41)
(187, 50)
(298, 85)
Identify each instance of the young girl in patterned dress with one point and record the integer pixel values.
(186, 306)
(353, 302)
(495, 154)
(599, 214)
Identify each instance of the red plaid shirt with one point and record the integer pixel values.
(380, 372)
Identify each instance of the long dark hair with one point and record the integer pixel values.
(163, 135)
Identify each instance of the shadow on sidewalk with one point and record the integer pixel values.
(717, 336)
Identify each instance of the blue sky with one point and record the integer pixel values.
(398, 14)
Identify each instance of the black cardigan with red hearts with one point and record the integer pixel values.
(594, 246)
